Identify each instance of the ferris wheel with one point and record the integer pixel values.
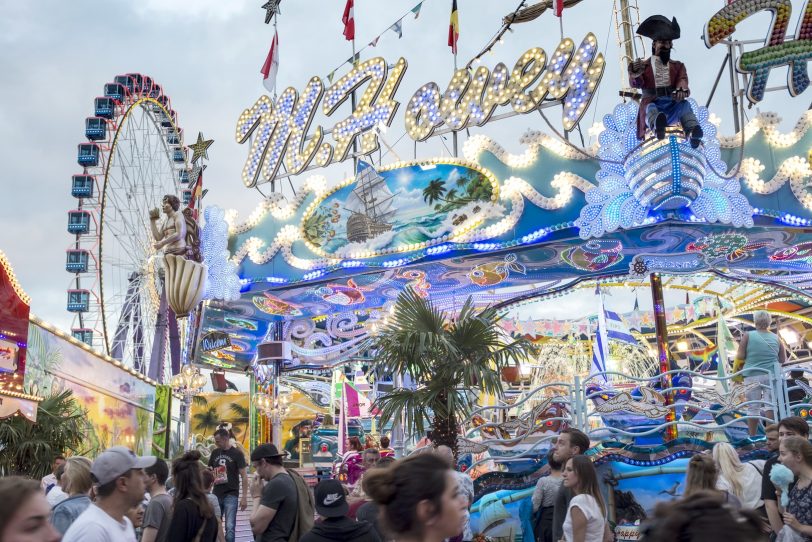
(133, 156)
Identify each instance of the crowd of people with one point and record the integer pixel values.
(419, 498)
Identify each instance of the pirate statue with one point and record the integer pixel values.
(664, 83)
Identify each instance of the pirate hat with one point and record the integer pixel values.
(658, 27)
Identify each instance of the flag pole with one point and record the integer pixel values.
(352, 101)
(275, 94)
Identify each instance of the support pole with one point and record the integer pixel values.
(734, 88)
(276, 421)
(661, 330)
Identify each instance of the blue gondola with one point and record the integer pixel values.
(187, 197)
(126, 81)
(82, 186)
(104, 107)
(166, 122)
(172, 137)
(78, 300)
(88, 155)
(78, 221)
(179, 156)
(114, 91)
(146, 85)
(77, 261)
(83, 334)
(137, 81)
(183, 176)
(156, 91)
(95, 128)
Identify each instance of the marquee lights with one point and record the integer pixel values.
(281, 129)
(471, 99)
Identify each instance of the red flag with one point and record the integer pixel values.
(558, 6)
(453, 28)
(271, 66)
(349, 21)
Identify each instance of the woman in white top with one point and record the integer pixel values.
(585, 515)
(741, 479)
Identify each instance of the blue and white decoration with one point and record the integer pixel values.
(642, 182)
(222, 281)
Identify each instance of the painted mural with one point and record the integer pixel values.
(401, 207)
(120, 405)
(209, 410)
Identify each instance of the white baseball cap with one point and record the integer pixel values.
(117, 461)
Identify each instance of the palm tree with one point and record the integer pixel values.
(434, 191)
(450, 360)
(207, 421)
(28, 448)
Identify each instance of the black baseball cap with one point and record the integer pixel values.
(331, 501)
(265, 450)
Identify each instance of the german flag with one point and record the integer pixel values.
(453, 28)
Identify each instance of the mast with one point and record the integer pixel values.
(627, 16)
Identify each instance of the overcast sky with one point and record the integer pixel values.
(55, 57)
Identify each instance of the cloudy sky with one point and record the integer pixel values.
(55, 57)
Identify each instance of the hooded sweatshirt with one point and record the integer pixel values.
(341, 529)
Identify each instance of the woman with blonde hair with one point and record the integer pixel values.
(741, 479)
(77, 483)
(703, 476)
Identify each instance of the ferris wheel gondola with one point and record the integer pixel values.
(133, 156)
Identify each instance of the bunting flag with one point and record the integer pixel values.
(416, 10)
(271, 66)
(353, 59)
(453, 28)
(558, 7)
(349, 21)
(374, 42)
(397, 28)
(331, 75)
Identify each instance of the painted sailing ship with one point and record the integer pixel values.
(370, 206)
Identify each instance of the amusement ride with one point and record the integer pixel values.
(632, 266)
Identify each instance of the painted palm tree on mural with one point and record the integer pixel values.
(449, 359)
(206, 421)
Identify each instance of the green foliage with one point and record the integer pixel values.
(449, 359)
(206, 421)
(28, 448)
(316, 227)
(473, 186)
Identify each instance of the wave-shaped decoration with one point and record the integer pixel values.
(637, 179)
(768, 124)
(794, 170)
(534, 140)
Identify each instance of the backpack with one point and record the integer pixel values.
(306, 509)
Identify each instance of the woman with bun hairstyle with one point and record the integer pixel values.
(193, 517)
(418, 498)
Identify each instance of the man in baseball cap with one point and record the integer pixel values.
(332, 507)
(121, 484)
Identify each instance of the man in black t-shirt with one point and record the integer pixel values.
(788, 427)
(228, 464)
(274, 517)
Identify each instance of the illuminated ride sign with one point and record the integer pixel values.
(281, 129)
(777, 51)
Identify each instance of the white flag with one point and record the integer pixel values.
(271, 66)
